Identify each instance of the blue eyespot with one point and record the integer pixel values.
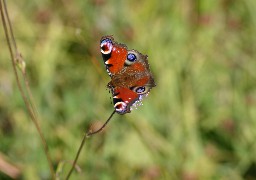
(131, 57)
(140, 90)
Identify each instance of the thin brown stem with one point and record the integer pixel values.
(19, 58)
(26, 99)
(9, 24)
(87, 135)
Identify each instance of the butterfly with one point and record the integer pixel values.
(131, 79)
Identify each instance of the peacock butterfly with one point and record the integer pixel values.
(131, 79)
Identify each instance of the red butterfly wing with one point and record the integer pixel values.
(113, 54)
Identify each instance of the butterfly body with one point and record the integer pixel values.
(131, 79)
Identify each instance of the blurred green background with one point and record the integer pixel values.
(198, 123)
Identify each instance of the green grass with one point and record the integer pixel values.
(198, 123)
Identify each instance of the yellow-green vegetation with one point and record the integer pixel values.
(198, 123)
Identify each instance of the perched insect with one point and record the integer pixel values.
(131, 79)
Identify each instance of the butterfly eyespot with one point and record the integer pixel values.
(120, 107)
(130, 59)
(141, 89)
(106, 46)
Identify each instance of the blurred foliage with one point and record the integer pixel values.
(198, 123)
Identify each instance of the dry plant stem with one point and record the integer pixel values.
(19, 58)
(87, 135)
(26, 99)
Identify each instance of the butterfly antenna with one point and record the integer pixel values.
(90, 133)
